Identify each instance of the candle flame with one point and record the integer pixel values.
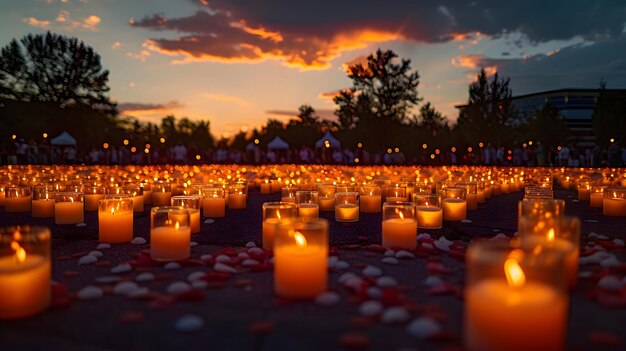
(278, 215)
(550, 235)
(177, 225)
(514, 274)
(20, 253)
(300, 240)
(112, 210)
(400, 214)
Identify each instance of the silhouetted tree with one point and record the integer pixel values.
(430, 119)
(548, 126)
(56, 69)
(383, 88)
(608, 116)
(308, 117)
(489, 112)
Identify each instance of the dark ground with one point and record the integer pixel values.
(230, 310)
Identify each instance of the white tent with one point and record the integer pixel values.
(334, 143)
(251, 146)
(277, 144)
(63, 139)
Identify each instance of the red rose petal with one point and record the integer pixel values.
(354, 341)
(131, 317)
(262, 327)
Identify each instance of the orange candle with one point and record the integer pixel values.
(115, 221)
(69, 208)
(454, 209)
(43, 208)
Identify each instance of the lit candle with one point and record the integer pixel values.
(17, 199)
(43, 208)
(513, 314)
(170, 234)
(93, 195)
(288, 193)
(596, 199)
(161, 194)
(327, 203)
(115, 221)
(399, 225)
(25, 271)
(584, 192)
(614, 202)
(326, 196)
(147, 194)
(266, 188)
(347, 212)
(274, 213)
(454, 209)
(301, 259)
(69, 208)
(192, 204)
(429, 217)
(307, 202)
(370, 199)
(308, 210)
(237, 197)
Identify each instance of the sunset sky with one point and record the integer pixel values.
(238, 62)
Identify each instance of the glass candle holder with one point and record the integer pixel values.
(115, 220)
(596, 195)
(541, 208)
(561, 234)
(326, 196)
(146, 190)
(191, 203)
(214, 202)
(25, 271)
(471, 194)
(370, 199)
(170, 233)
(399, 225)
(237, 196)
(135, 193)
(2, 194)
(614, 202)
(161, 194)
(515, 298)
(347, 207)
(584, 190)
(538, 192)
(480, 192)
(17, 198)
(43, 203)
(274, 213)
(308, 203)
(93, 195)
(301, 258)
(265, 187)
(343, 188)
(395, 194)
(454, 204)
(288, 193)
(69, 208)
(429, 210)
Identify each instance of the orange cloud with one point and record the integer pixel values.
(149, 110)
(32, 21)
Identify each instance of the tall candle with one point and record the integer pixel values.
(472, 201)
(370, 203)
(400, 233)
(454, 209)
(214, 207)
(170, 243)
(237, 201)
(266, 188)
(92, 200)
(614, 206)
(269, 232)
(500, 317)
(301, 261)
(583, 194)
(115, 221)
(43, 208)
(18, 204)
(161, 198)
(481, 196)
(596, 200)
(68, 213)
(429, 217)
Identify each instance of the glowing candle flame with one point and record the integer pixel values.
(278, 215)
(550, 235)
(300, 240)
(514, 274)
(20, 253)
(177, 225)
(112, 210)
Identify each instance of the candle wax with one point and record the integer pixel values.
(161, 199)
(346, 213)
(18, 204)
(429, 217)
(370, 203)
(614, 207)
(115, 228)
(300, 273)
(24, 287)
(596, 200)
(269, 230)
(68, 213)
(214, 207)
(400, 233)
(169, 243)
(237, 201)
(308, 210)
(327, 203)
(454, 209)
(43, 208)
(92, 201)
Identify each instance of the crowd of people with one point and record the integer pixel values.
(20, 151)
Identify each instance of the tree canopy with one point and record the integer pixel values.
(55, 69)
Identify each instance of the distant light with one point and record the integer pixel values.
(105, 145)
(437, 151)
(256, 141)
(612, 140)
(558, 148)
(524, 145)
(530, 142)
(126, 141)
(480, 144)
(469, 149)
(146, 150)
(509, 152)
(45, 135)
(162, 140)
(359, 145)
(453, 149)
(356, 160)
(432, 156)
(396, 150)
(147, 145)
(424, 146)
(198, 157)
(388, 151)
(133, 149)
(13, 136)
